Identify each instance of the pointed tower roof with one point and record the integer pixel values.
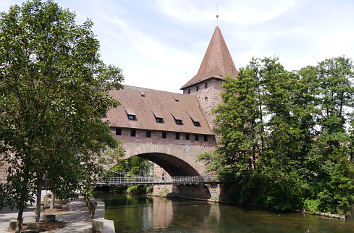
(217, 61)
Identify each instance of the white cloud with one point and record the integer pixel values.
(237, 12)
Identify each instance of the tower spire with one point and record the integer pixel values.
(217, 14)
(217, 61)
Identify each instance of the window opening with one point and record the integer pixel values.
(179, 122)
(132, 117)
(196, 137)
(187, 136)
(177, 136)
(148, 134)
(133, 132)
(164, 135)
(196, 123)
(118, 131)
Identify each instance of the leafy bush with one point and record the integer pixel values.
(312, 205)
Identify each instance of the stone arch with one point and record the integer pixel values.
(174, 166)
(177, 160)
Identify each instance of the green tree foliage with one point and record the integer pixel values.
(134, 166)
(284, 135)
(53, 94)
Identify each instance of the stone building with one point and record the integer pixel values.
(173, 129)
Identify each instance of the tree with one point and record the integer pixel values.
(285, 141)
(333, 148)
(53, 94)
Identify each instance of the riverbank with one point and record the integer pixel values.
(76, 218)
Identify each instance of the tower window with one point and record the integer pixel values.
(206, 85)
(178, 122)
(196, 137)
(148, 134)
(189, 91)
(205, 138)
(159, 119)
(133, 132)
(187, 136)
(118, 131)
(197, 88)
(132, 117)
(164, 135)
(177, 136)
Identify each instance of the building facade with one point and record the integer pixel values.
(173, 129)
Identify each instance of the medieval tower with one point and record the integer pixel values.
(206, 84)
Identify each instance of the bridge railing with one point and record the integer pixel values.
(132, 180)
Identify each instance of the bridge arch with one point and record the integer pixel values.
(174, 166)
(177, 160)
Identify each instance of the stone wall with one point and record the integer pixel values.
(209, 98)
(156, 138)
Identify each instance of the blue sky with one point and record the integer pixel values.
(160, 44)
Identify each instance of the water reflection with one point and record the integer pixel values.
(153, 214)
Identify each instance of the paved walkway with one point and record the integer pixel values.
(77, 218)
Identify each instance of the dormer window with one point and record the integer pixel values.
(178, 122)
(196, 123)
(158, 116)
(132, 117)
(178, 117)
(130, 113)
(159, 119)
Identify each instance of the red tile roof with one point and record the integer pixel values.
(147, 103)
(217, 61)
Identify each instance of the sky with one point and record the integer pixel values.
(159, 44)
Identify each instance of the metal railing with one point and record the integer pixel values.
(151, 180)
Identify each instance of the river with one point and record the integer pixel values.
(154, 214)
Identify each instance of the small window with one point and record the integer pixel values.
(187, 136)
(189, 91)
(179, 122)
(196, 123)
(118, 131)
(206, 99)
(197, 88)
(164, 135)
(148, 134)
(206, 85)
(177, 136)
(196, 137)
(205, 138)
(159, 119)
(133, 132)
(132, 117)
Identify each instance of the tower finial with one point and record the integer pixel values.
(217, 14)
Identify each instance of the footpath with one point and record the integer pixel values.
(77, 218)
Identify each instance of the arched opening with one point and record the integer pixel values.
(171, 164)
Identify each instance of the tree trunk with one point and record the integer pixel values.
(53, 200)
(19, 219)
(38, 203)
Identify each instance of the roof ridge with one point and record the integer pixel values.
(149, 89)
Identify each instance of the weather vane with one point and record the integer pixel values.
(217, 14)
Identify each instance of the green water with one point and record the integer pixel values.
(153, 214)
